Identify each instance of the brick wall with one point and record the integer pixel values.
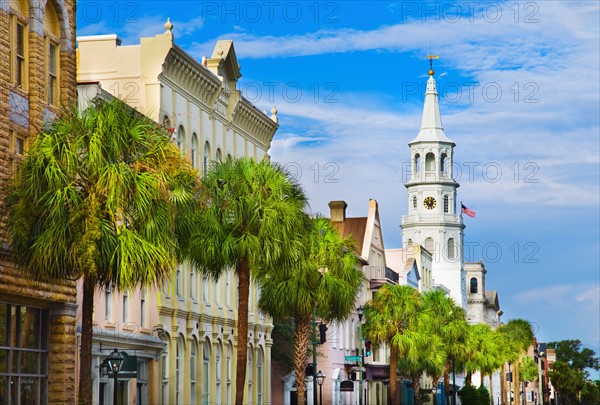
(15, 287)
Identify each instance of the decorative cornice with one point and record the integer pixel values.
(254, 122)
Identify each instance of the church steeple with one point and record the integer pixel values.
(432, 129)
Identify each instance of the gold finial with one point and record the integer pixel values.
(168, 26)
(431, 58)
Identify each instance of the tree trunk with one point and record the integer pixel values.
(447, 383)
(416, 391)
(242, 326)
(302, 342)
(85, 356)
(516, 385)
(491, 389)
(393, 380)
(503, 384)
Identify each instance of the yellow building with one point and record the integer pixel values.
(37, 320)
(209, 118)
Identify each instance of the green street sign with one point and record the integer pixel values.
(352, 359)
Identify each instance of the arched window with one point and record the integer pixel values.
(180, 135)
(417, 164)
(228, 371)
(193, 360)
(219, 156)
(250, 373)
(205, 372)
(206, 158)
(164, 369)
(259, 377)
(409, 242)
(473, 285)
(446, 204)
(444, 164)
(179, 281)
(18, 44)
(52, 47)
(193, 281)
(194, 151)
(218, 369)
(429, 162)
(179, 370)
(414, 200)
(451, 249)
(429, 245)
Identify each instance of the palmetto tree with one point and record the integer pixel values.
(518, 336)
(326, 282)
(448, 321)
(391, 318)
(487, 356)
(97, 196)
(251, 218)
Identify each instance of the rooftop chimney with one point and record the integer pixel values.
(337, 211)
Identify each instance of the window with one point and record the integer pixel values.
(193, 293)
(23, 355)
(218, 366)
(18, 44)
(126, 306)
(417, 163)
(446, 204)
(143, 307)
(51, 42)
(193, 151)
(179, 351)
(228, 371)
(164, 371)
(473, 285)
(218, 292)
(180, 137)
(179, 282)
(451, 249)
(205, 372)
(205, 288)
(108, 303)
(443, 164)
(259, 377)
(228, 287)
(250, 365)
(430, 245)
(193, 345)
(430, 162)
(219, 157)
(414, 201)
(206, 158)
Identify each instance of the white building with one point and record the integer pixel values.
(193, 316)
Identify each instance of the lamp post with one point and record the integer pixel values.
(361, 354)
(320, 380)
(114, 361)
(540, 381)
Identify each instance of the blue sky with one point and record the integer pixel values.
(519, 95)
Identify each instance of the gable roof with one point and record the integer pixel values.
(354, 227)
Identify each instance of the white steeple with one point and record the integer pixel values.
(433, 219)
(431, 123)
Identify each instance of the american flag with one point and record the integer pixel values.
(467, 211)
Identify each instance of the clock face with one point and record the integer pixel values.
(429, 203)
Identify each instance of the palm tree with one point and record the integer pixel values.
(97, 196)
(518, 335)
(487, 356)
(326, 283)
(251, 218)
(528, 370)
(390, 318)
(448, 321)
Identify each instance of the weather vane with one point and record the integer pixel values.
(431, 58)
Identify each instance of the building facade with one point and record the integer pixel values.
(37, 320)
(190, 334)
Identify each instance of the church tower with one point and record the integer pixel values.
(433, 219)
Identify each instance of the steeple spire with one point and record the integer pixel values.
(431, 123)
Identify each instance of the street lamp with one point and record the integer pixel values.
(540, 381)
(114, 360)
(361, 311)
(320, 380)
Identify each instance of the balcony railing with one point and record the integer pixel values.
(381, 273)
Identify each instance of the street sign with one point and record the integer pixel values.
(352, 359)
